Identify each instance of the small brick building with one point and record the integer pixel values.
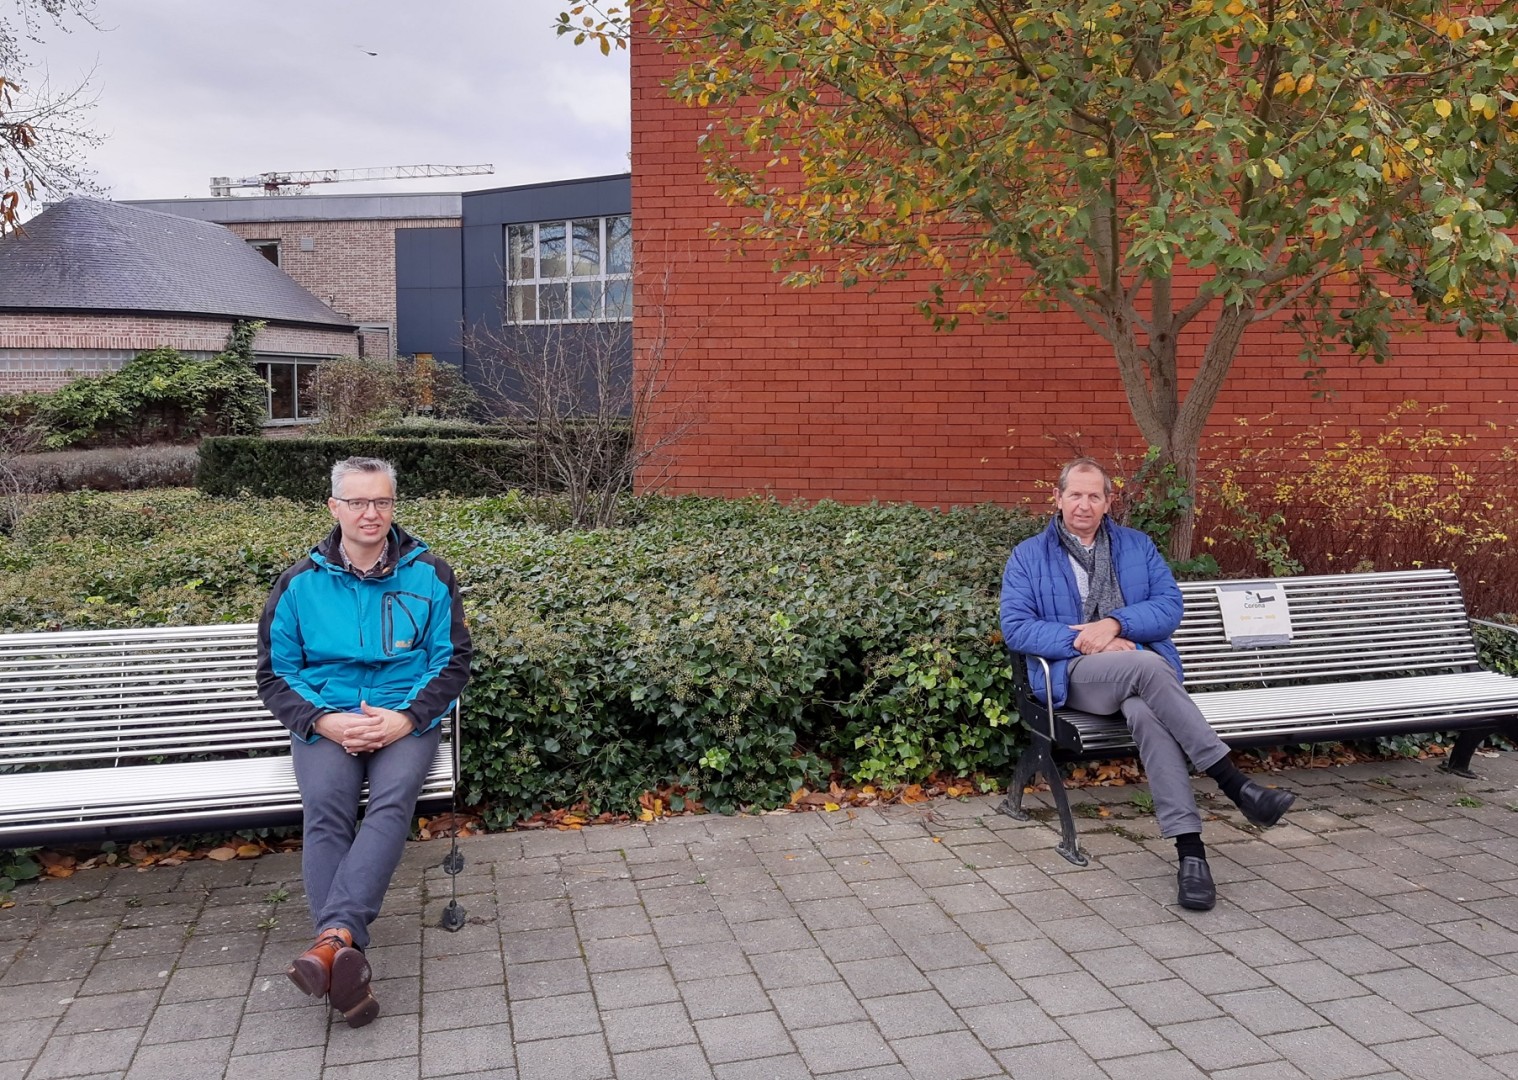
(90, 284)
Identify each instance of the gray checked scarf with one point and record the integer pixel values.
(1103, 596)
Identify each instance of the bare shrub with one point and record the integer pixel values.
(107, 469)
(356, 397)
(597, 417)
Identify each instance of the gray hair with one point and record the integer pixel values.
(348, 466)
(1080, 464)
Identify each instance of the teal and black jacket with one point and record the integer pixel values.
(329, 639)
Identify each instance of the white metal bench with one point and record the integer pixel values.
(1370, 655)
(117, 733)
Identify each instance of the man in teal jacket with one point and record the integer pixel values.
(1099, 603)
(362, 651)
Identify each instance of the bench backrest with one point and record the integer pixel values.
(104, 696)
(1343, 626)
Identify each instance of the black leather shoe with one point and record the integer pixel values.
(1197, 891)
(1264, 806)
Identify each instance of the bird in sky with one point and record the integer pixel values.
(365, 51)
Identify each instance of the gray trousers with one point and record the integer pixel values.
(1165, 723)
(347, 865)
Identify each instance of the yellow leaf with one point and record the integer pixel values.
(1358, 150)
(249, 851)
(222, 854)
(1275, 168)
(1164, 134)
(830, 806)
(1202, 125)
(645, 815)
(1285, 83)
(1443, 108)
(1094, 151)
(1304, 84)
(1235, 8)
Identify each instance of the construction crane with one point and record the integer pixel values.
(293, 183)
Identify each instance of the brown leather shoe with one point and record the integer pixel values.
(350, 994)
(312, 969)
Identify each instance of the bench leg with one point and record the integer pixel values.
(1459, 759)
(1037, 760)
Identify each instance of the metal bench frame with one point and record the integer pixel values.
(108, 734)
(1374, 654)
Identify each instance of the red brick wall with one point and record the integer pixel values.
(351, 266)
(850, 394)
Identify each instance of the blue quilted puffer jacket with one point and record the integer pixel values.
(1040, 602)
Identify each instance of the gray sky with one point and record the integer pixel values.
(190, 89)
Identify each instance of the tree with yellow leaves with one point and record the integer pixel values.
(1158, 168)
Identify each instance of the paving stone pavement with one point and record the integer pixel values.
(1374, 935)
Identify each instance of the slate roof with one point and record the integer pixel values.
(89, 255)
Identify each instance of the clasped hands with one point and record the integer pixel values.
(371, 728)
(1100, 636)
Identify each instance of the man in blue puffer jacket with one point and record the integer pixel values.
(1099, 603)
(362, 651)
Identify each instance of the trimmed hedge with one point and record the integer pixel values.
(301, 469)
(739, 649)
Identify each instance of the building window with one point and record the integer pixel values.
(570, 271)
(290, 394)
(269, 249)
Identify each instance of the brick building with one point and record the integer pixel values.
(90, 284)
(850, 394)
(341, 248)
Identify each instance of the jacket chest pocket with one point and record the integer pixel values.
(403, 621)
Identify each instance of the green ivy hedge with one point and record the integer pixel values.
(741, 649)
(301, 468)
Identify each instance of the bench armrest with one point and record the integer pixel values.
(1025, 691)
(1496, 625)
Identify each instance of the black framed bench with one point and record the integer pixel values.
(1376, 654)
(108, 734)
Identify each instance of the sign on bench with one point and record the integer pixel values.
(131, 732)
(1360, 656)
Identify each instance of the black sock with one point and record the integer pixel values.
(1189, 845)
(1228, 777)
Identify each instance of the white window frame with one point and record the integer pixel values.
(539, 298)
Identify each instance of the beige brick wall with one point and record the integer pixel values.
(351, 264)
(44, 352)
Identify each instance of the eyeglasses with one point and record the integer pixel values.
(358, 506)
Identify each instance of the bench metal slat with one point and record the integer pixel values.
(100, 714)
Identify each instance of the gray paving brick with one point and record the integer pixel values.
(1161, 1065)
(554, 1017)
(839, 1047)
(1112, 1033)
(772, 935)
(952, 1055)
(1221, 1043)
(802, 967)
(1069, 992)
(1050, 1061)
(631, 1028)
(102, 1012)
(1038, 956)
(882, 976)
(816, 1005)
(1474, 1028)
(1413, 990)
(1216, 973)
(1268, 1011)
(981, 984)
(737, 1038)
(1326, 1052)
(782, 1067)
(728, 995)
(1434, 1058)
(181, 1060)
(1450, 962)
(706, 961)
(856, 943)
(577, 1057)
(84, 1053)
(1170, 1001)
(902, 1016)
(662, 1063)
(281, 1064)
(189, 1020)
(1312, 980)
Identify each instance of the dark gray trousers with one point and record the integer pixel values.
(1165, 723)
(347, 865)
